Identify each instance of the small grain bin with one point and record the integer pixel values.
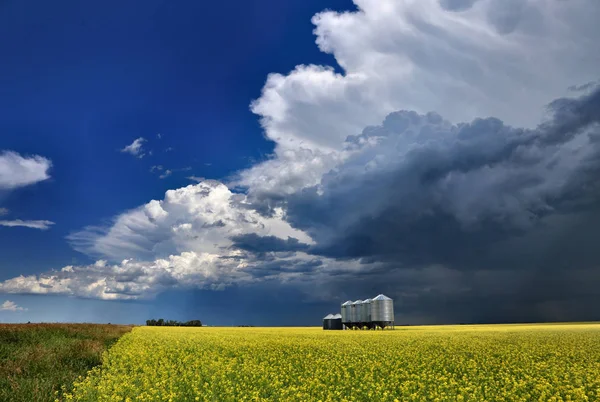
(327, 321)
(336, 322)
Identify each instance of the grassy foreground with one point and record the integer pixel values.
(450, 363)
(37, 359)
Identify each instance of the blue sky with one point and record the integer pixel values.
(301, 174)
(80, 82)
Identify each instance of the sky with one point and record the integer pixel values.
(263, 162)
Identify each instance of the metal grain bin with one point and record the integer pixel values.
(353, 316)
(327, 321)
(358, 311)
(346, 311)
(366, 311)
(336, 322)
(382, 311)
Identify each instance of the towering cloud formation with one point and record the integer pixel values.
(460, 215)
(462, 59)
(418, 186)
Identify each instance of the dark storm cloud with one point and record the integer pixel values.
(439, 193)
(260, 244)
(275, 267)
(509, 215)
(583, 87)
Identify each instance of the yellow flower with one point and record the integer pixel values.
(437, 363)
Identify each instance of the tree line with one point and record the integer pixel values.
(172, 323)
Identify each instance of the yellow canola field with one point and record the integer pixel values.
(446, 363)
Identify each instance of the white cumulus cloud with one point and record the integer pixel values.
(19, 171)
(131, 279)
(199, 218)
(11, 306)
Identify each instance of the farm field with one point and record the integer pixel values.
(554, 362)
(37, 360)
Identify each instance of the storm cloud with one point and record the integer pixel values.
(510, 214)
(259, 244)
(427, 191)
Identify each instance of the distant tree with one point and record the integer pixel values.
(173, 323)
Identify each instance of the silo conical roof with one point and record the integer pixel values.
(358, 302)
(348, 303)
(328, 317)
(381, 297)
(336, 316)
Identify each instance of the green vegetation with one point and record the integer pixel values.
(36, 360)
(172, 323)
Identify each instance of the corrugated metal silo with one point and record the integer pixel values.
(382, 311)
(346, 312)
(358, 312)
(366, 311)
(353, 318)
